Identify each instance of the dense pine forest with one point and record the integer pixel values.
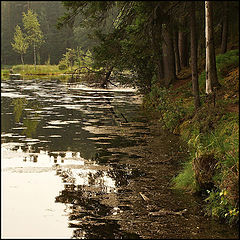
(181, 56)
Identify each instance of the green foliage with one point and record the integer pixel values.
(228, 58)
(34, 34)
(214, 131)
(171, 112)
(69, 57)
(4, 73)
(62, 65)
(47, 12)
(20, 44)
(186, 179)
(218, 206)
(74, 57)
(32, 28)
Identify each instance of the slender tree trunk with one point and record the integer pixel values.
(22, 65)
(176, 52)
(168, 57)
(224, 27)
(194, 57)
(22, 59)
(183, 46)
(160, 65)
(155, 31)
(201, 46)
(34, 56)
(211, 71)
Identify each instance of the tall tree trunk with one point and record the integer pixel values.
(194, 57)
(224, 27)
(211, 71)
(154, 33)
(201, 46)
(183, 46)
(168, 57)
(176, 52)
(34, 56)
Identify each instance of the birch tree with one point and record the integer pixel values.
(20, 44)
(211, 71)
(34, 33)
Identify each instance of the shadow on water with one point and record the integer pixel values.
(113, 166)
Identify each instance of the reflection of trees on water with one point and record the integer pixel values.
(108, 230)
(19, 105)
(86, 212)
(31, 127)
(87, 217)
(91, 198)
(30, 124)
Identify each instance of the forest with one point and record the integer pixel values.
(181, 56)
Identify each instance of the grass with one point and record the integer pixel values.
(40, 69)
(185, 180)
(28, 70)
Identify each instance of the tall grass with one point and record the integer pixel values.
(40, 69)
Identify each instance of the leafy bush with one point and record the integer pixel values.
(62, 66)
(218, 206)
(171, 113)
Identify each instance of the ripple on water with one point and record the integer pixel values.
(55, 136)
(13, 95)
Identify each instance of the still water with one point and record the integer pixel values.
(81, 162)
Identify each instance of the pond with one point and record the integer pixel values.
(82, 162)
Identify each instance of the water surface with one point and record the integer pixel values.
(77, 160)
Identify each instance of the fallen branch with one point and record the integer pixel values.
(144, 197)
(164, 212)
